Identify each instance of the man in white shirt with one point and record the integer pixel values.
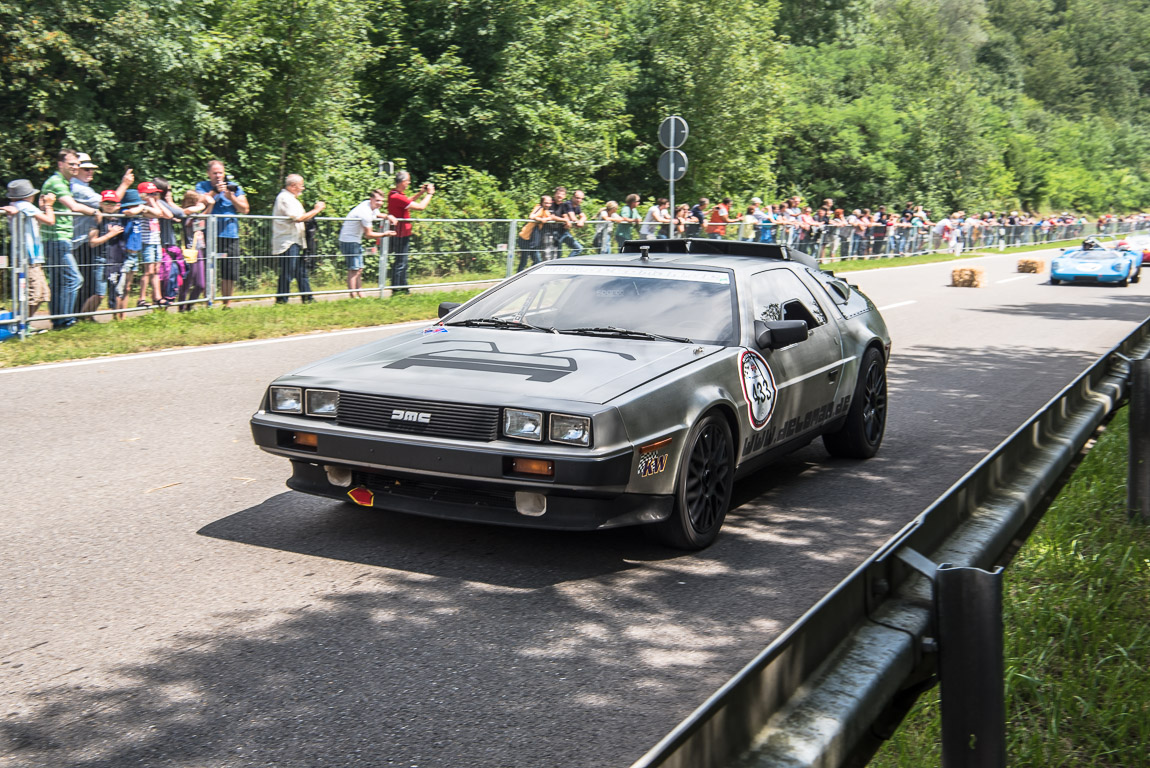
(288, 238)
(357, 226)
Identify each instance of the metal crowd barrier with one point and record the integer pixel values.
(455, 252)
(840, 678)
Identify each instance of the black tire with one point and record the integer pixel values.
(861, 435)
(1137, 276)
(702, 488)
(1054, 281)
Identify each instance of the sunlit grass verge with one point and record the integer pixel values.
(855, 265)
(164, 330)
(1077, 637)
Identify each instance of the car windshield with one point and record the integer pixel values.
(1093, 254)
(648, 303)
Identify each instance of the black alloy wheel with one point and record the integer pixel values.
(862, 433)
(703, 489)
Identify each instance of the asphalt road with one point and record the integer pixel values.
(168, 602)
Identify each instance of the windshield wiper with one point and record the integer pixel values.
(500, 322)
(610, 330)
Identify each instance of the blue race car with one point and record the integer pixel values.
(1094, 263)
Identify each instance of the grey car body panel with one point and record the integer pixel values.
(642, 396)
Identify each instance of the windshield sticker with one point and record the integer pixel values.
(649, 273)
(758, 388)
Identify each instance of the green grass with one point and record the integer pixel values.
(856, 265)
(164, 330)
(1077, 636)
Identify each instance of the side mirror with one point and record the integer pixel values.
(780, 333)
(447, 307)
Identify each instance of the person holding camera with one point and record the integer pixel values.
(399, 205)
(288, 238)
(224, 198)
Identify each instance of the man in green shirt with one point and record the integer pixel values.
(63, 273)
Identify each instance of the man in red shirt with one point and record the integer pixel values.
(400, 205)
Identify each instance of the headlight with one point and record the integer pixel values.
(323, 402)
(573, 430)
(525, 425)
(287, 399)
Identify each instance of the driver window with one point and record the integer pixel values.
(778, 294)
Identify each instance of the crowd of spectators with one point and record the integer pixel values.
(85, 248)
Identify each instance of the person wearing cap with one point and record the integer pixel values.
(63, 273)
(224, 199)
(288, 238)
(122, 257)
(103, 231)
(82, 192)
(24, 212)
(172, 267)
(150, 239)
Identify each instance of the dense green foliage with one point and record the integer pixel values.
(952, 103)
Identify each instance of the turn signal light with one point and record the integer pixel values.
(542, 467)
(305, 439)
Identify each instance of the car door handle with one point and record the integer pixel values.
(833, 375)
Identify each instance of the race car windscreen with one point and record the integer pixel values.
(693, 304)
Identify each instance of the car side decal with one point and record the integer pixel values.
(758, 388)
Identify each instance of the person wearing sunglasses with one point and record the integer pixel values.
(63, 272)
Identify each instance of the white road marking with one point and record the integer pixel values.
(896, 306)
(1012, 279)
(207, 348)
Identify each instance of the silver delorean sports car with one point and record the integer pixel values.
(594, 392)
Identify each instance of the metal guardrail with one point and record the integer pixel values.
(852, 665)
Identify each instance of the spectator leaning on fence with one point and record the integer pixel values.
(172, 268)
(24, 212)
(605, 221)
(657, 217)
(151, 255)
(357, 225)
(568, 214)
(399, 207)
(288, 238)
(63, 272)
(629, 214)
(720, 218)
(224, 199)
(530, 238)
(103, 231)
(82, 192)
(193, 246)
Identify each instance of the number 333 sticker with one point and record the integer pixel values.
(758, 387)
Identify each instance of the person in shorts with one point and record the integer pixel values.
(122, 261)
(356, 226)
(224, 199)
(102, 231)
(24, 212)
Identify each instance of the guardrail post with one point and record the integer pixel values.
(1138, 477)
(968, 602)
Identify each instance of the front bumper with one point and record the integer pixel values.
(1089, 277)
(461, 482)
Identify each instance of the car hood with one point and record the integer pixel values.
(499, 366)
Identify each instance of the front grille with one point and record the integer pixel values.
(426, 491)
(459, 421)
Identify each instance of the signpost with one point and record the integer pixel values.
(673, 132)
